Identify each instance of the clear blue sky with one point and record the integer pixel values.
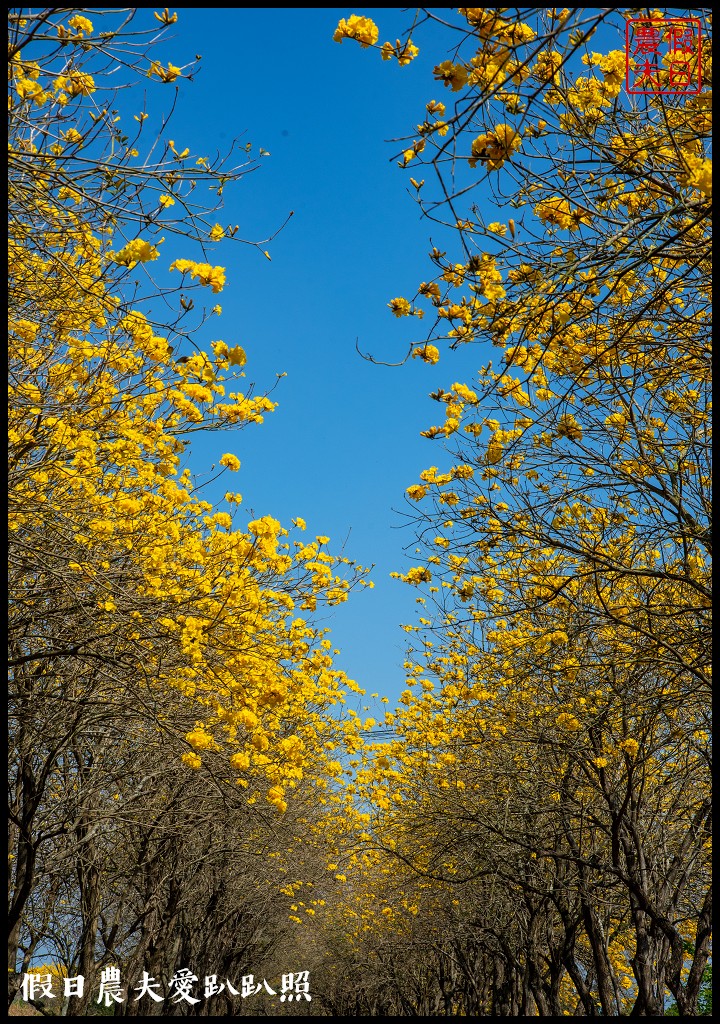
(344, 442)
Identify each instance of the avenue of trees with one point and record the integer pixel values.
(528, 834)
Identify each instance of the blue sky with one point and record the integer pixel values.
(344, 442)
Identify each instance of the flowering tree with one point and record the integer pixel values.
(565, 579)
(138, 610)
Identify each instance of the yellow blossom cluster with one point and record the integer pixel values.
(364, 30)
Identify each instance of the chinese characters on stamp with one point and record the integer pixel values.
(663, 56)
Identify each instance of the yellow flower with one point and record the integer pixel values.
(568, 722)
(430, 289)
(699, 173)
(428, 353)
(166, 201)
(275, 797)
(416, 492)
(168, 74)
(494, 452)
(408, 53)
(231, 462)
(557, 212)
(417, 575)
(199, 739)
(404, 52)
(265, 527)
(454, 75)
(617, 421)
(400, 307)
(166, 18)
(79, 84)
(80, 24)
(494, 148)
(363, 30)
(247, 718)
(236, 356)
(214, 276)
(630, 746)
(217, 233)
(569, 427)
(135, 252)
(191, 760)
